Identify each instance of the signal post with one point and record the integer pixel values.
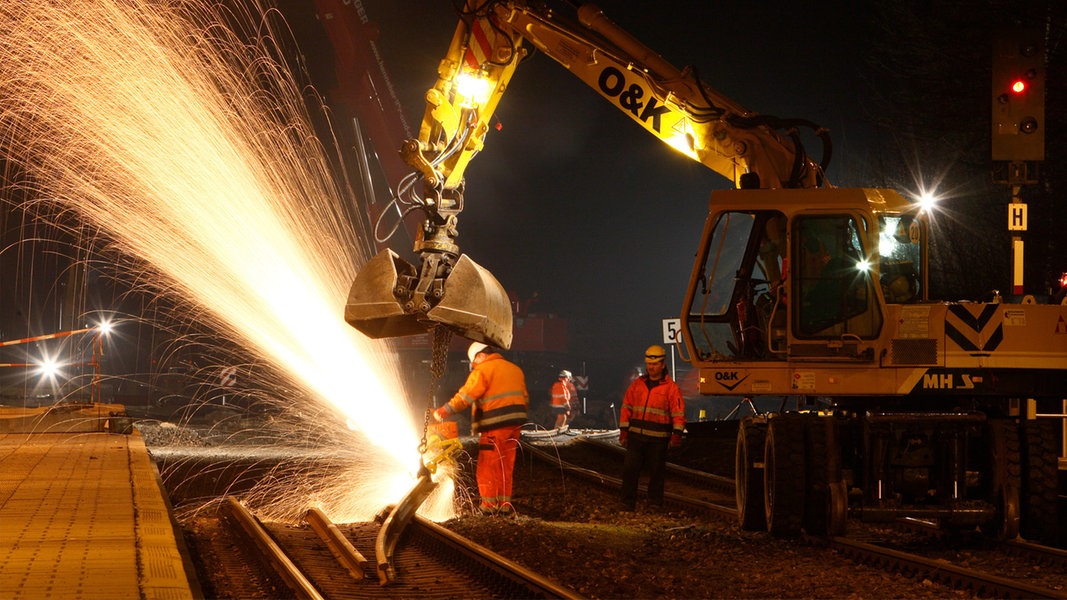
(1018, 135)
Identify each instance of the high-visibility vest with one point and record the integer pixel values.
(496, 389)
(563, 393)
(658, 411)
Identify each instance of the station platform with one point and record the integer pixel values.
(82, 510)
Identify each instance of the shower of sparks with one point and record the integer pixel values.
(193, 151)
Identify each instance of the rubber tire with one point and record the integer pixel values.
(1040, 502)
(748, 473)
(1005, 464)
(783, 475)
(817, 474)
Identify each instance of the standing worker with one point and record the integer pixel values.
(564, 398)
(652, 418)
(497, 390)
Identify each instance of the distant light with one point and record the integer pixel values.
(1063, 280)
(886, 245)
(104, 327)
(863, 265)
(48, 367)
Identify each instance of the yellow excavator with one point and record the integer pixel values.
(893, 404)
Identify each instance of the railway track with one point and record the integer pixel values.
(566, 494)
(980, 582)
(1007, 569)
(320, 560)
(686, 489)
(1015, 568)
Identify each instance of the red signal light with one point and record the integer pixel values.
(1018, 86)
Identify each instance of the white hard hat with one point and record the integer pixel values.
(565, 373)
(475, 348)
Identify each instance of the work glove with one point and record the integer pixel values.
(622, 437)
(676, 440)
(440, 414)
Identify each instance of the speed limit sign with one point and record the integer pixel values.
(672, 331)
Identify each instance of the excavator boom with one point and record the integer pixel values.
(393, 298)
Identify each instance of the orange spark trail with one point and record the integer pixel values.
(193, 150)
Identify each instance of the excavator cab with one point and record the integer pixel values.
(779, 274)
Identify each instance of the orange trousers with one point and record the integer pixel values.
(496, 463)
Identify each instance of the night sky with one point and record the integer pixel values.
(572, 200)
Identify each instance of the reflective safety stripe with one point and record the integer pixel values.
(650, 428)
(501, 417)
(497, 397)
(655, 412)
(496, 389)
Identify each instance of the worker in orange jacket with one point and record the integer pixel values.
(652, 419)
(564, 398)
(496, 389)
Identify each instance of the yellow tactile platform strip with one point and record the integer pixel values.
(82, 516)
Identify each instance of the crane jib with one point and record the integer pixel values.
(613, 83)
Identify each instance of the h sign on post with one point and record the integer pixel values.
(1017, 216)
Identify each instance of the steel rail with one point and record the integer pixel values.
(539, 585)
(281, 563)
(394, 525)
(1044, 554)
(351, 559)
(616, 483)
(984, 584)
(710, 478)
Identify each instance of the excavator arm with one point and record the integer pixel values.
(391, 297)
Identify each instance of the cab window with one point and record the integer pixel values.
(833, 284)
(733, 301)
(900, 248)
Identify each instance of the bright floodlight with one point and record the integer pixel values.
(475, 88)
(927, 201)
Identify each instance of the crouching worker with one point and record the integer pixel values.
(496, 391)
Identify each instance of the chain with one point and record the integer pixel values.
(440, 337)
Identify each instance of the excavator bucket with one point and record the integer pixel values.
(473, 305)
(372, 307)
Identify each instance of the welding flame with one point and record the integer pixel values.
(194, 151)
